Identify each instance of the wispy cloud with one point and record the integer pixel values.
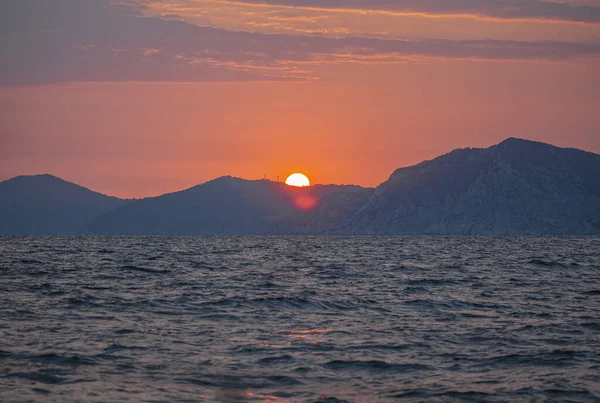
(274, 16)
(501, 9)
(91, 40)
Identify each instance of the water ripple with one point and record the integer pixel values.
(299, 319)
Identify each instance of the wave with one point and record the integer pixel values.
(431, 282)
(62, 360)
(38, 376)
(374, 365)
(144, 269)
(326, 399)
(241, 381)
(286, 303)
(559, 358)
(545, 263)
(276, 359)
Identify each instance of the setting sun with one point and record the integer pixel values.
(298, 180)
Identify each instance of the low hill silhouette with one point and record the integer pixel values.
(45, 204)
(224, 206)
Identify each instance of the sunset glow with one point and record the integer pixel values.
(160, 95)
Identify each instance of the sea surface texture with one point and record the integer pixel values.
(299, 319)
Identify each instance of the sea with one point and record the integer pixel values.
(299, 319)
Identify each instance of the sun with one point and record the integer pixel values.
(298, 180)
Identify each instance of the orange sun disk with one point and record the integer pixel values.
(298, 180)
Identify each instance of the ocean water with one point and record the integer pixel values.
(299, 319)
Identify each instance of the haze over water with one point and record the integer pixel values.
(299, 319)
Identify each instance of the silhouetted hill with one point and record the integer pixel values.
(224, 206)
(515, 187)
(45, 204)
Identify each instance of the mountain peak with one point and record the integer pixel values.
(519, 142)
(516, 140)
(46, 204)
(45, 176)
(44, 188)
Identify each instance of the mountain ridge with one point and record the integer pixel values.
(414, 202)
(515, 187)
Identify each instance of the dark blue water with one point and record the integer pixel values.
(299, 319)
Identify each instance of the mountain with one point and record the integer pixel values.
(224, 206)
(45, 204)
(517, 187)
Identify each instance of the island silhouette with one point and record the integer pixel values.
(517, 187)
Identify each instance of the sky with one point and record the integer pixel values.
(142, 97)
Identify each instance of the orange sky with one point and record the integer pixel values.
(131, 114)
